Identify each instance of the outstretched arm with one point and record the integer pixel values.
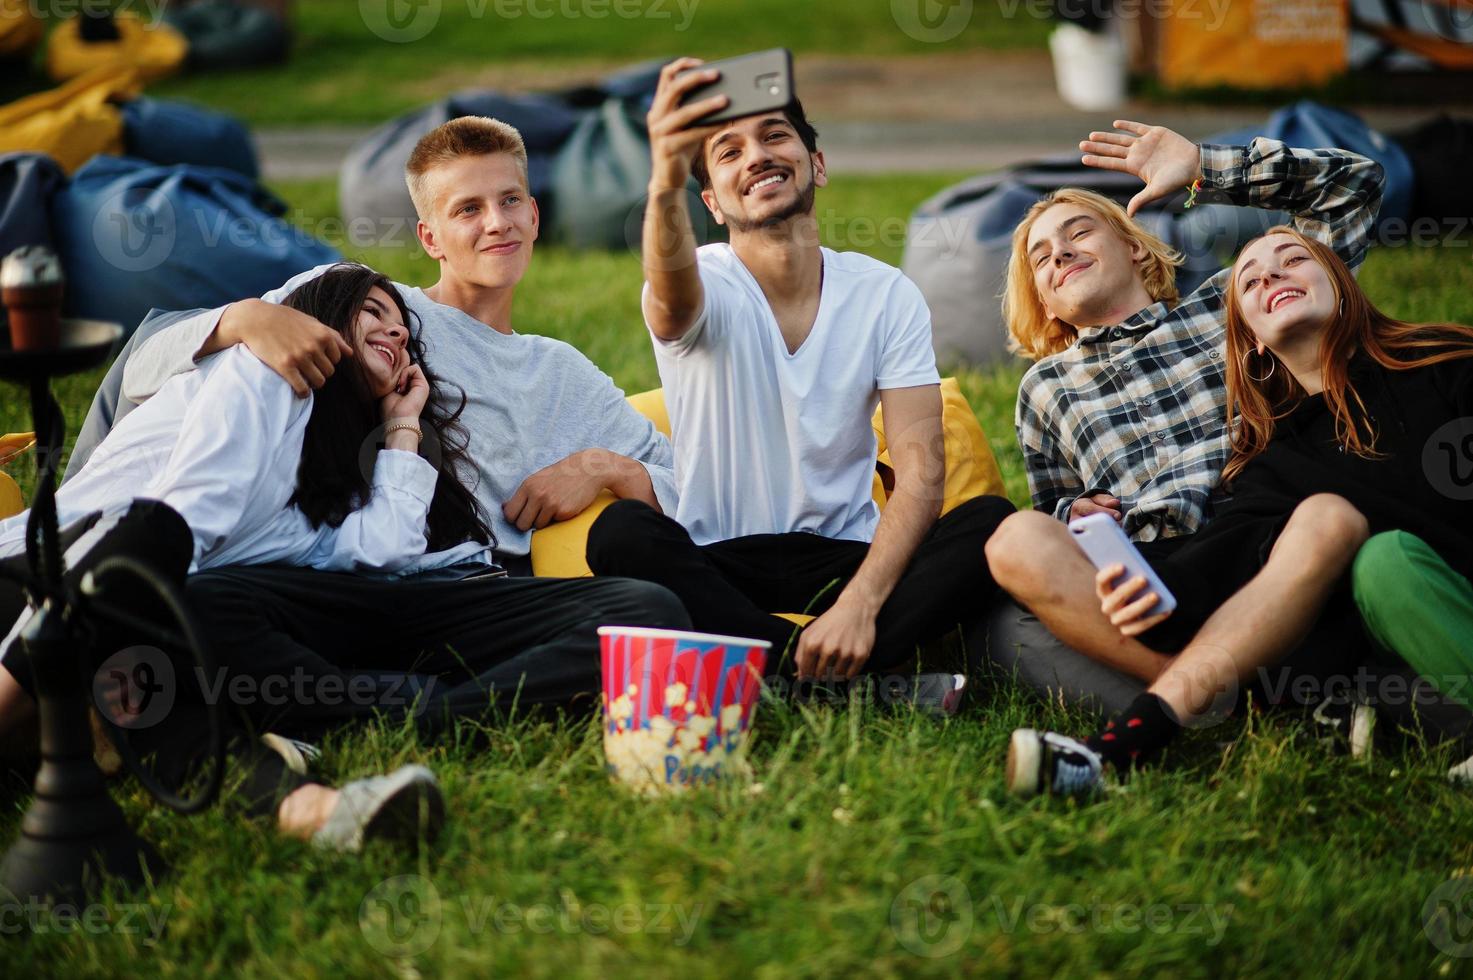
(1333, 194)
(297, 347)
(674, 300)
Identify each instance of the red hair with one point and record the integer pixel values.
(1255, 406)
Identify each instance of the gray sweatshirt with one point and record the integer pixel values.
(530, 401)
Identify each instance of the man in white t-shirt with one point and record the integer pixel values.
(774, 352)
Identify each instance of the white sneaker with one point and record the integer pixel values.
(1462, 772)
(299, 756)
(406, 805)
(1047, 762)
(1352, 720)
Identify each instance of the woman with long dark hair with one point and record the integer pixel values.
(226, 466)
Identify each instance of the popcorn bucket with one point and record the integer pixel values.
(677, 706)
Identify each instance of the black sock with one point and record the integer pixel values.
(1136, 735)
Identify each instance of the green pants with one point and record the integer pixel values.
(1419, 609)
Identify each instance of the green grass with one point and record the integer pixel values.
(855, 820)
(343, 70)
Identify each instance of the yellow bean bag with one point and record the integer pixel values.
(20, 29)
(12, 446)
(154, 50)
(971, 471)
(73, 123)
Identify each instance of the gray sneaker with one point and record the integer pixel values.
(406, 805)
(939, 694)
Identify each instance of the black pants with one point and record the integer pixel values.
(302, 651)
(172, 743)
(299, 651)
(736, 586)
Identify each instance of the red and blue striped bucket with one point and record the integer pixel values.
(677, 705)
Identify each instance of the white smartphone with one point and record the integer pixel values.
(1105, 544)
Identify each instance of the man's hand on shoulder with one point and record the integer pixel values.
(1164, 159)
(300, 348)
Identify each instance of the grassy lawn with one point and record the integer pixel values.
(868, 843)
(361, 62)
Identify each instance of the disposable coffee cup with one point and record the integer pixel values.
(677, 706)
(31, 289)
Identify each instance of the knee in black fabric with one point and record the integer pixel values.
(652, 605)
(984, 513)
(620, 536)
(149, 530)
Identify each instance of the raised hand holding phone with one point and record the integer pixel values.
(674, 137)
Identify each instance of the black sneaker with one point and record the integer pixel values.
(1047, 762)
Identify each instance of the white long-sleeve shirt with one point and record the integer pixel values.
(221, 446)
(531, 401)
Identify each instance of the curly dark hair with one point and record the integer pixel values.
(332, 479)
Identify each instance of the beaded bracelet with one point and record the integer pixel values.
(393, 427)
(1192, 193)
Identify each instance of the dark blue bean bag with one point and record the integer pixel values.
(177, 132)
(133, 235)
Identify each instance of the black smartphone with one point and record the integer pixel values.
(757, 82)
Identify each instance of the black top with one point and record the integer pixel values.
(1420, 481)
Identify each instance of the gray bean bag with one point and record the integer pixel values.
(371, 183)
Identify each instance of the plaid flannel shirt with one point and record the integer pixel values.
(1138, 409)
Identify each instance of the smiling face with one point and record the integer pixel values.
(761, 174)
(481, 222)
(380, 342)
(1085, 273)
(1284, 294)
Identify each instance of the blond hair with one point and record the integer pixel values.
(1032, 333)
(468, 136)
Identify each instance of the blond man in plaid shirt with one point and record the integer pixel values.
(1123, 411)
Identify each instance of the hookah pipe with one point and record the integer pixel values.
(74, 835)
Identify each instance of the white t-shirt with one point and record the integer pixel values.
(768, 442)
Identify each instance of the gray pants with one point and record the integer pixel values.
(1011, 642)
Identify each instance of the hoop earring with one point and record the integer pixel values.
(1272, 366)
